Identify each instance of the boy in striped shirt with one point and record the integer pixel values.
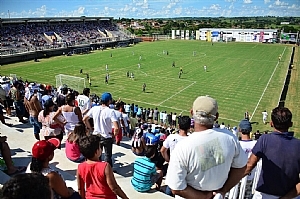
(145, 173)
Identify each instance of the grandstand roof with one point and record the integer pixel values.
(53, 19)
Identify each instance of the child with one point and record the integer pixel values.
(144, 171)
(95, 178)
(72, 147)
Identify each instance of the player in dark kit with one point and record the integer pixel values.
(80, 71)
(144, 87)
(106, 79)
(173, 64)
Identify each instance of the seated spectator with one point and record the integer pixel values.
(51, 128)
(5, 152)
(145, 173)
(95, 178)
(72, 143)
(138, 142)
(42, 154)
(27, 185)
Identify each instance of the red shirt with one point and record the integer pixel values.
(94, 179)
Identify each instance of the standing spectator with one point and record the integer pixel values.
(83, 101)
(247, 145)
(17, 98)
(47, 94)
(155, 115)
(133, 124)
(33, 107)
(51, 128)
(169, 144)
(126, 123)
(71, 113)
(174, 117)
(61, 97)
(95, 178)
(7, 102)
(169, 119)
(207, 160)
(222, 126)
(104, 121)
(118, 112)
(280, 156)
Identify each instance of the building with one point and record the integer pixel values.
(238, 35)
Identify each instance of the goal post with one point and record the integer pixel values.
(73, 82)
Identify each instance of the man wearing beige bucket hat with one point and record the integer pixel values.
(209, 160)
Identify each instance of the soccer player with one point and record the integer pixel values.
(139, 65)
(279, 57)
(106, 79)
(181, 70)
(179, 74)
(144, 87)
(90, 83)
(247, 115)
(140, 57)
(205, 68)
(106, 67)
(80, 71)
(173, 64)
(265, 116)
(132, 76)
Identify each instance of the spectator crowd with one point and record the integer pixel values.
(197, 156)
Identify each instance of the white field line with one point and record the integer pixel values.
(143, 72)
(253, 112)
(176, 93)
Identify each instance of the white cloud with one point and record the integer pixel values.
(215, 7)
(267, 1)
(280, 3)
(141, 3)
(177, 11)
(247, 1)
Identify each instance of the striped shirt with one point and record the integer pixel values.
(143, 169)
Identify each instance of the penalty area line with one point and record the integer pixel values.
(176, 93)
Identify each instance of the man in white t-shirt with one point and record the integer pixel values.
(83, 101)
(104, 120)
(184, 124)
(265, 116)
(209, 160)
(247, 145)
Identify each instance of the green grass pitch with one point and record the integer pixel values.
(241, 76)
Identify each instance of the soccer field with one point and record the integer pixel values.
(241, 76)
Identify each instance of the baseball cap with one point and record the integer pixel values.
(44, 148)
(106, 97)
(245, 125)
(48, 87)
(205, 106)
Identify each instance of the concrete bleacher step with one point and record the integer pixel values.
(20, 139)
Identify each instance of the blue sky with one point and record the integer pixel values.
(147, 8)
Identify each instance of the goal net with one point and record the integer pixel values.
(75, 83)
(13, 76)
